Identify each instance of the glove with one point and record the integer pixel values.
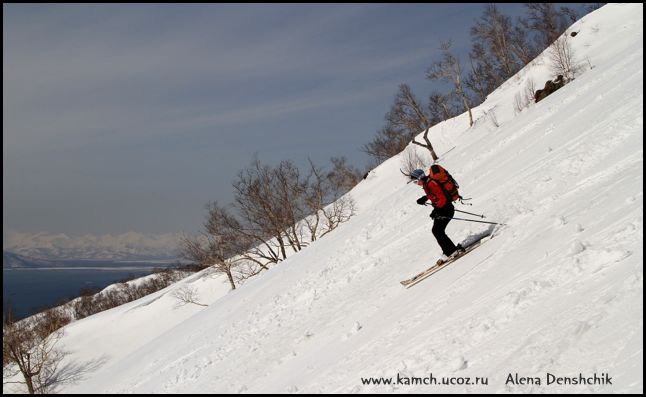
(434, 214)
(422, 200)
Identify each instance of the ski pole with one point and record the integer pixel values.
(471, 213)
(442, 155)
(471, 220)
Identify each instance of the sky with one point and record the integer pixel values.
(121, 118)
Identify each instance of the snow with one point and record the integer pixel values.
(125, 246)
(559, 290)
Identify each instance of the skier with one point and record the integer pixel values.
(442, 213)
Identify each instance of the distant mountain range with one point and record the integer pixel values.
(129, 246)
(15, 261)
(12, 260)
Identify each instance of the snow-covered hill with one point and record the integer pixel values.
(558, 291)
(15, 261)
(125, 246)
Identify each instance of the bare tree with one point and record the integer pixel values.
(443, 107)
(185, 294)
(499, 49)
(215, 247)
(407, 113)
(289, 190)
(518, 103)
(530, 89)
(547, 22)
(491, 116)
(476, 80)
(268, 207)
(247, 239)
(411, 160)
(521, 45)
(83, 306)
(449, 69)
(258, 207)
(50, 320)
(562, 59)
(314, 200)
(324, 201)
(406, 118)
(493, 33)
(388, 142)
(485, 75)
(343, 176)
(525, 97)
(427, 145)
(409, 116)
(275, 209)
(26, 352)
(336, 213)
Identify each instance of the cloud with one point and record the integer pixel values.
(98, 70)
(115, 113)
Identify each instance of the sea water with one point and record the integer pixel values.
(29, 290)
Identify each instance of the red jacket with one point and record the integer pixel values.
(434, 192)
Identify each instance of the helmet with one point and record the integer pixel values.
(416, 174)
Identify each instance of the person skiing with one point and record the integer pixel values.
(442, 213)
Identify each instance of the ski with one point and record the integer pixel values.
(439, 265)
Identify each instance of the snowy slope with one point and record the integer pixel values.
(559, 290)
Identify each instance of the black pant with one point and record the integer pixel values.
(439, 227)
